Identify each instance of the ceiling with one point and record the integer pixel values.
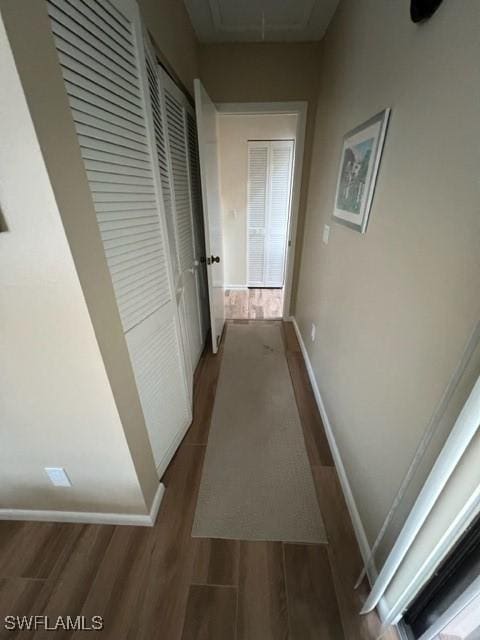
(260, 20)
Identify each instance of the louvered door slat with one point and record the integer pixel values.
(124, 179)
(68, 31)
(109, 149)
(85, 110)
(98, 75)
(122, 162)
(69, 14)
(119, 218)
(103, 108)
(104, 133)
(111, 21)
(114, 128)
(118, 169)
(92, 59)
(111, 15)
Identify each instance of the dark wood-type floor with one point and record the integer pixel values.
(160, 583)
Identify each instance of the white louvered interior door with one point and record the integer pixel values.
(257, 211)
(269, 191)
(101, 52)
(279, 189)
(176, 109)
(166, 176)
(207, 127)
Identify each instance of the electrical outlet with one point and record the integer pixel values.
(313, 332)
(326, 233)
(58, 476)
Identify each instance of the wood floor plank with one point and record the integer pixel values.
(312, 604)
(17, 598)
(119, 584)
(345, 559)
(210, 613)
(32, 549)
(290, 337)
(65, 592)
(316, 441)
(203, 400)
(216, 562)
(164, 601)
(262, 605)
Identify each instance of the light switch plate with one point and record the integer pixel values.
(313, 332)
(326, 233)
(58, 476)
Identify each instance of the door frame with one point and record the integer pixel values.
(299, 109)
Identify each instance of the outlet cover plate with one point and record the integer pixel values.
(58, 476)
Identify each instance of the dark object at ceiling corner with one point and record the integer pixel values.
(423, 9)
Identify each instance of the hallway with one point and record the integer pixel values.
(161, 582)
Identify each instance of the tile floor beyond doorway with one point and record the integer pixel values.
(253, 304)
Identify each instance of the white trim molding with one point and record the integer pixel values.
(89, 517)
(299, 109)
(342, 474)
(462, 433)
(236, 287)
(458, 526)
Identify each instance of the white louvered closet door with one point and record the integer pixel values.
(176, 109)
(166, 177)
(279, 189)
(100, 48)
(269, 190)
(257, 211)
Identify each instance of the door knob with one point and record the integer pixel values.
(215, 259)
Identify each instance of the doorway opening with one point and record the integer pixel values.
(260, 157)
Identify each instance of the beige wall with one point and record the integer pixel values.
(56, 403)
(169, 25)
(234, 132)
(266, 72)
(394, 308)
(68, 425)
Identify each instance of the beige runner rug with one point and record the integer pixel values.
(256, 482)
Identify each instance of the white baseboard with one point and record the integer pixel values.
(342, 474)
(240, 287)
(86, 517)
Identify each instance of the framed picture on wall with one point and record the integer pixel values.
(361, 154)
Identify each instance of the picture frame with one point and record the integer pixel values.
(360, 160)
